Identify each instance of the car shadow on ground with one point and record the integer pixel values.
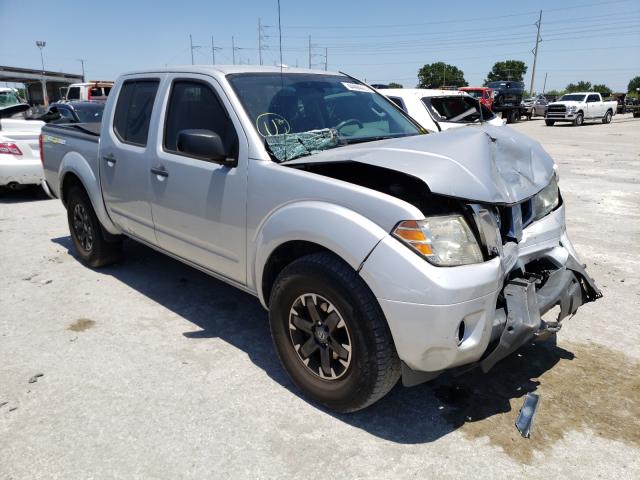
(31, 193)
(406, 415)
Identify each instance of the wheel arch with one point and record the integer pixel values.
(75, 171)
(308, 227)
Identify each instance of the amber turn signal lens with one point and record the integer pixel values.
(412, 234)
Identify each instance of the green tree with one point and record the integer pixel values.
(395, 85)
(581, 86)
(440, 74)
(554, 93)
(602, 89)
(507, 70)
(634, 84)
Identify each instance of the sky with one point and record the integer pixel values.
(377, 41)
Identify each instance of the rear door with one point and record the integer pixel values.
(125, 148)
(594, 106)
(199, 207)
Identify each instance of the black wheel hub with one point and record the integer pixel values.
(82, 227)
(320, 336)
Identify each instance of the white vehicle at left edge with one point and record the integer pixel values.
(19, 147)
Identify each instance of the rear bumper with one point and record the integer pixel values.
(14, 169)
(441, 318)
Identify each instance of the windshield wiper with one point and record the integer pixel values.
(352, 141)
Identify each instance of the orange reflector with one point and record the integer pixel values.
(423, 248)
(411, 234)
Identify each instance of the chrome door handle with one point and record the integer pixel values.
(110, 159)
(160, 172)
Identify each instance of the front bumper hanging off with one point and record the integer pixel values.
(568, 287)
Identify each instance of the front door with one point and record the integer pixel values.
(124, 158)
(199, 207)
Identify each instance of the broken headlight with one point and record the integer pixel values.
(546, 200)
(445, 241)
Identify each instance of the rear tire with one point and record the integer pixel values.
(318, 302)
(607, 117)
(89, 239)
(550, 123)
(579, 120)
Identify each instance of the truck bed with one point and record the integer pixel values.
(60, 140)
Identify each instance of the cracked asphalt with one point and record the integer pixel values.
(151, 369)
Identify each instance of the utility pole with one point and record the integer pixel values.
(309, 51)
(544, 87)
(233, 49)
(191, 45)
(41, 44)
(259, 42)
(535, 54)
(82, 60)
(213, 51)
(326, 58)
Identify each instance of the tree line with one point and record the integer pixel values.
(443, 75)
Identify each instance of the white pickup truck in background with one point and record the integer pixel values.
(578, 107)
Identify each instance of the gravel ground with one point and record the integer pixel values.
(150, 369)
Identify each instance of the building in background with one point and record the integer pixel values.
(42, 87)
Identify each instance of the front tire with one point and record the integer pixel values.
(89, 239)
(331, 335)
(607, 117)
(579, 120)
(550, 123)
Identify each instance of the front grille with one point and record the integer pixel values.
(557, 108)
(514, 219)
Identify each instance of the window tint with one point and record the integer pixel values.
(95, 91)
(592, 98)
(133, 111)
(194, 105)
(398, 101)
(66, 113)
(73, 93)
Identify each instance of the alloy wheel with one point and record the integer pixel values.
(82, 227)
(320, 336)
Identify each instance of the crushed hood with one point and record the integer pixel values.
(485, 164)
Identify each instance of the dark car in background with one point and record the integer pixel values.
(76, 112)
(507, 92)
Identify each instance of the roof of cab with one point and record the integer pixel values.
(230, 69)
(420, 92)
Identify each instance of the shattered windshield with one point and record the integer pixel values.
(8, 99)
(301, 114)
(458, 109)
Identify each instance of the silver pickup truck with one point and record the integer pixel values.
(379, 251)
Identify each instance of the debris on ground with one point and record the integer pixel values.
(34, 379)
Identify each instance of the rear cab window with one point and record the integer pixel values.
(457, 108)
(73, 93)
(133, 111)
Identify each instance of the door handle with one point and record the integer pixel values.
(110, 159)
(160, 171)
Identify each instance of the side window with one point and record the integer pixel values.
(592, 98)
(398, 101)
(95, 91)
(133, 111)
(194, 105)
(73, 93)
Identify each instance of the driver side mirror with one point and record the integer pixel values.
(204, 144)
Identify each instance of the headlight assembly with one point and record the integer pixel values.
(445, 241)
(572, 109)
(546, 200)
